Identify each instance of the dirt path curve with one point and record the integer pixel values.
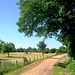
(44, 68)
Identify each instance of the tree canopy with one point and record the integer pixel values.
(48, 18)
(53, 50)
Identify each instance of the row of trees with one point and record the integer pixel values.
(29, 49)
(10, 47)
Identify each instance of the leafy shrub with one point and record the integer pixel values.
(53, 50)
(71, 67)
(62, 50)
(46, 50)
(58, 51)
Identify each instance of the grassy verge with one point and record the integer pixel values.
(65, 66)
(71, 67)
(21, 67)
(18, 70)
(61, 68)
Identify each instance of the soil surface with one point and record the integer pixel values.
(44, 67)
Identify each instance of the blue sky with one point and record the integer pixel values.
(9, 15)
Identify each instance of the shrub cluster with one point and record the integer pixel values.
(71, 67)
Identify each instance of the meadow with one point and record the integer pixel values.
(19, 56)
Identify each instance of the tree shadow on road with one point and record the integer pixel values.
(63, 65)
(54, 58)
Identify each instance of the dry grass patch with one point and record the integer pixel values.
(19, 56)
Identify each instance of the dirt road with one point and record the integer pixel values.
(43, 68)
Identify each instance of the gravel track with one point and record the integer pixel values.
(45, 67)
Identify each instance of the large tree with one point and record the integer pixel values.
(49, 18)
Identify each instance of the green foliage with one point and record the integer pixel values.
(46, 50)
(34, 50)
(58, 51)
(62, 47)
(53, 50)
(48, 18)
(8, 47)
(9, 67)
(30, 49)
(61, 50)
(71, 67)
(26, 51)
(20, 49)
(1, 44)
(41, 45)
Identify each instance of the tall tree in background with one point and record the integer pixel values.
(41, 45)
(8, 47)
(49, 18)
(26, 51)
(30, 49)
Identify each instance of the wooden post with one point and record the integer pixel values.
(16, 63)
(24, 61)
(40, 57)
(37, 58)
(34, 59)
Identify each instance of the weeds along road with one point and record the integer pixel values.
(43, 68)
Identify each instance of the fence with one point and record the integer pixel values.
(8, 66)
(31, 60)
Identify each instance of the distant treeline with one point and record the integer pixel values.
(10, 47)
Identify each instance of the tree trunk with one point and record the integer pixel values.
(72, 47)
(26, 52)
(8, 54)
(43, 55)
(30, 52)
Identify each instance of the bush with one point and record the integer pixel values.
(46, 51)
(62, 50)
(71, 67)
(58, 51)
(53, 50)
